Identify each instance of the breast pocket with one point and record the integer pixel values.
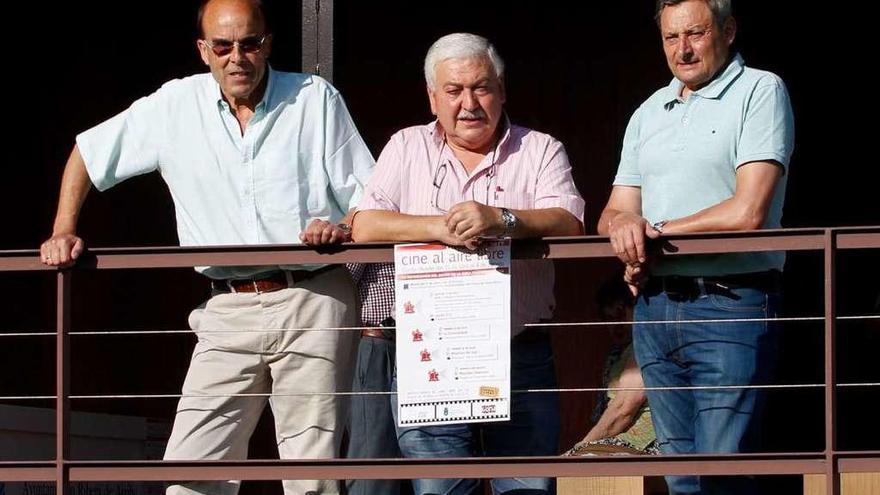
(279, 183)
(517, 200)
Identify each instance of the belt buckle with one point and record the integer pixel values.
(678, 288)
(672, 285)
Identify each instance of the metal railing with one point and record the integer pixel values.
(64, 470)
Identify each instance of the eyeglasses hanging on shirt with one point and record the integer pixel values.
(442, 169)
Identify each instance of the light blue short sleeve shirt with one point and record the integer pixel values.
(684, 154)
(300, 158)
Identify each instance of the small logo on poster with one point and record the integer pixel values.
(409, 308)
(489, 391)
(417, 335)
(426, 356)
(433, 376)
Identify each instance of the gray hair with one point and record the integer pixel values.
(721, 9)
(460, 46)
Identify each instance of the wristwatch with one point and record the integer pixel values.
(509, 220)
(658, 226)
(346, 229)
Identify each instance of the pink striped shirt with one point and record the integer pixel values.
(417, 174)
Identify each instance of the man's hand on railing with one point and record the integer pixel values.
(61, 250)
(321, 232)
(627, 232)
(471, 220)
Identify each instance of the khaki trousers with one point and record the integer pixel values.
(236, 355)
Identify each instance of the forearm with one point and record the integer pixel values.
(745, 210)
(616, 419)
(604, 224)
(391, 226)
(625, 202)
(730, 214)
(623, 409)
(75, 186)
(546, 222)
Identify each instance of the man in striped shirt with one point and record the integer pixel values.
(468, 175)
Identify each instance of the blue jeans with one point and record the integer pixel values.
(371, 429)
(706, 354)
(533, 429)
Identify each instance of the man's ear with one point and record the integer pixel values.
(729, 31)
(432, 100)
(203, 51)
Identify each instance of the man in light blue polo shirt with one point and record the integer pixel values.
(250, 156)
(709, 152)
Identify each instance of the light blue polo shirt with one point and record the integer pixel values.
(684, 153)
(300, 158)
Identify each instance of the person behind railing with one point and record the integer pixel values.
(472, 174)
(250, 155)
(708, 152)
(622, 418)
(372, 434)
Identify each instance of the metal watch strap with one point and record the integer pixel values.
(509, 220)
(346, 228)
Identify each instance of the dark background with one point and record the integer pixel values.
(574, 70)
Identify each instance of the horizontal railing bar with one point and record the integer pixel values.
(858, 239)
(756, 464)
(858, 462)
(27, 471)
(552, 248)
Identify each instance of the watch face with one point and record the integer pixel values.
(508, 218)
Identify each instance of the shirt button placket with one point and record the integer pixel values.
(685, 124)
(248, 201)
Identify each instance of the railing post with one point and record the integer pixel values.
(317, 38)
(832, 474)
(62, 383)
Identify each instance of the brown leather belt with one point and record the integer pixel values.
(376, 333)
(269, 282)
(385, 330)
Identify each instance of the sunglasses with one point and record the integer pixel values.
(251, 44)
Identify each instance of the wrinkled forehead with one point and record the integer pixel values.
(464, 70)
(686, 15)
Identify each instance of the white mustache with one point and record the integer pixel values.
(466, 114)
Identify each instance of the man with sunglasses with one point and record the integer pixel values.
(250, 155)
(469, 175)
(708, 152)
